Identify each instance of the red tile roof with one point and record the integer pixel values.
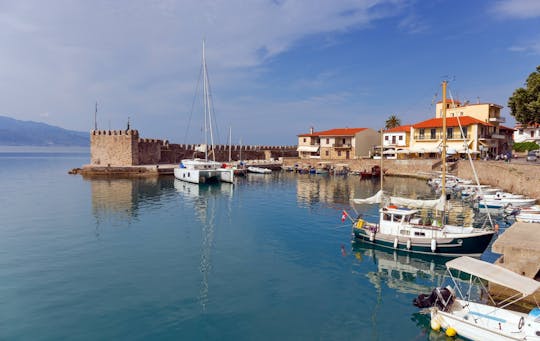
(405, 128)
(335, 132)
(450, 122)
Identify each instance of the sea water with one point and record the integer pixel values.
(267, 258)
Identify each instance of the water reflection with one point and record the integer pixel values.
(402, 271)
(203, 198)
(117, 201)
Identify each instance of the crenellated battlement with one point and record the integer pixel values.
(125, 148)
(129, 132)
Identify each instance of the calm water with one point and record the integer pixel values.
(267, 259)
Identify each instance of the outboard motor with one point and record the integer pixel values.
(442, 297)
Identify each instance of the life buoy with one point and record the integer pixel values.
(392, 206)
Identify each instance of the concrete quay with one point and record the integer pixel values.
(154, 170)
(519, 246)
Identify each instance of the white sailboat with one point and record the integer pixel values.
(198, 170)
(402, 228)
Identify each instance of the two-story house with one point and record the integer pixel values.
(396, 142)
(337, 144)
(462, 133)
(527, 133)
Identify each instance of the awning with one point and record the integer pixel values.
(496, 274)
(426, 149)
(309, 149)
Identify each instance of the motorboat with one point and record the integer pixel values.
(454, 310)
(259, 170)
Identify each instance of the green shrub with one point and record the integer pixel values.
(525, 146)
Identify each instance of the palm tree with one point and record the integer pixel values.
(392, 122)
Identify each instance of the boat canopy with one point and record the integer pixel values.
(495, 274)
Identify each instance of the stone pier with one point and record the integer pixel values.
(520, 249)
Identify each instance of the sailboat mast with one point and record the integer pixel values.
(230, 135)
(382, 159)
(443, 152)
(205, 100)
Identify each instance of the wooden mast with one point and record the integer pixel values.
(443, 151)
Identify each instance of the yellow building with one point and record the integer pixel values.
(498, 139)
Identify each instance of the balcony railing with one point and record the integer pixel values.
(497, 119)
(345, 145)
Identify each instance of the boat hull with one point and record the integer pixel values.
(471, 245)
(198, 176)
(482, 322)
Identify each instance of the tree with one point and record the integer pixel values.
(392, 122)
(525, 102)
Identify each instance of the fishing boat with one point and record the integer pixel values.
(460, 314)
(199, 170)
(259, 170)
(403, 228)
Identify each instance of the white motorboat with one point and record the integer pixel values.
(460, 314)
(259, 170)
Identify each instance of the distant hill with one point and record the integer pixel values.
(28, 133)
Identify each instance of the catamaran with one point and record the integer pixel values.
(198, 170)
(402, 228)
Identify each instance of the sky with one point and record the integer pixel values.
(276, 67)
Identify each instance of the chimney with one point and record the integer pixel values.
(311, 130)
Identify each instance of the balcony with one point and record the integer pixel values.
(343, 146)
(498, 137)
(497, 119)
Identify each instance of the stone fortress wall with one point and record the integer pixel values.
(126, 148)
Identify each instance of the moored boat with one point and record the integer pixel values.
(259, 170)
(466, 317)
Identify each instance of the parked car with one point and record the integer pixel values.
(531, 156)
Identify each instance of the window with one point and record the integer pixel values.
(433, 133)
(386, 138)
(343, 141)
(521, 132)
(339, 153)
(304, 139)
(421, 133)
(532, 133)
(326, 153)
(327, 141)
(386, 216)
(464, 135)
(450, 133)
(401, 137)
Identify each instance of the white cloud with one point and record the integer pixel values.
(530, 47)
(520, 9)
(142, 58)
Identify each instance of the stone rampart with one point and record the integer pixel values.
(511, 177)
(114, 147)
(125, 148)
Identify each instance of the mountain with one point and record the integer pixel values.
(28, 133)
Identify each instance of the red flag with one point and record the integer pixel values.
(343, 216)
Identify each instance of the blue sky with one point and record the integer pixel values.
(276, 67)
